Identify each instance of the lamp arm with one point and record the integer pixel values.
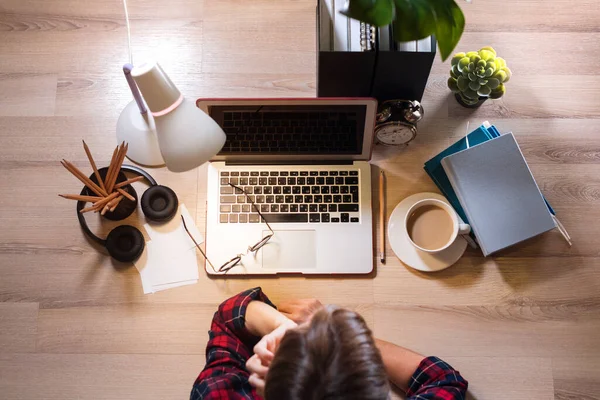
(134, 89)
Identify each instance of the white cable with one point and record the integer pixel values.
(128, 31)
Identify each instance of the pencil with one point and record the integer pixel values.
(93, 164)
(106, 199)
(119, 162)
(111, 166)
(84, 179)
(128, 182)
(87, 209)
(381, 217)
(91, 199)
(124, 193)
(115, 203)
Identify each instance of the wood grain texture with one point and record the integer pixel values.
(576, 378)
(97, 376)
(27, 94)
(18, 327)
(523, 324)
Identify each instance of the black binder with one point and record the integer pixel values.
(384, 75)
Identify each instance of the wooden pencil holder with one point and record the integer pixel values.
(125, 207)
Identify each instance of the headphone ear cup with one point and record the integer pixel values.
(125, 243)
(159, 203)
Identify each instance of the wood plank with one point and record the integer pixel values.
(530, 96)
(246, 31)
(504, 282)
(576, 378)
(27, 94)
(531, 16)
(134, 329)
(489, 331)
(176, 9)
(518, 49)
(525, 378)
(173, 43)
(18, 326)
(126, 329)
(115, 376)
(530, 377)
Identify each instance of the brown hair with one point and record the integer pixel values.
(332, 357)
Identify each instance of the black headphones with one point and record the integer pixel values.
(126, 243)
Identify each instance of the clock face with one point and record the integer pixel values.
(395, 133)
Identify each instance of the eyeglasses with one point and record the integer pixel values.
(251, 249)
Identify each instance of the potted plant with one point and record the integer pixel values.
(477, 76)
(414, 19)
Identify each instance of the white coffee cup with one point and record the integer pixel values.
(433, 223)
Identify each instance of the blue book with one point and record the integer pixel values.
(436, 172)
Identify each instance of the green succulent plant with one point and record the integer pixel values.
(478, 74)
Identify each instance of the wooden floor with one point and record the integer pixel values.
(522, 325)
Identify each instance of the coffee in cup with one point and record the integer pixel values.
(432, 225)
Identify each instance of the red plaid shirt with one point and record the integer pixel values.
(230, 345)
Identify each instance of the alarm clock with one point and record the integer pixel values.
(397, 122)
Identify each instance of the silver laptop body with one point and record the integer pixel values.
(304, 165)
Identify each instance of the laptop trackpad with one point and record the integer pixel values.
(290, 251)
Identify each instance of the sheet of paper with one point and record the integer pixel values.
(166, 286)
(174, 232)
(170, 259)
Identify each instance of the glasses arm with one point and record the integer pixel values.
(197, 245)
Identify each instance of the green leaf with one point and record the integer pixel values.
(454, 71)
(463, 63)
(374, 12)
(471, 94)
(474, 86)
(489, 72)
(498, 92)
(415, 19)
(483, 82)
(493, 83)
(484, 91)
(457, 57)
(508, 73)
(450, 23)
(453, 85)
(462, 83)
(490, 49)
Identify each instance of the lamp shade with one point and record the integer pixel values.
(187, 136)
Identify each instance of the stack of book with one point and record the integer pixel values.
(488, 182)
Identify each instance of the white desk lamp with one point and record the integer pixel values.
(175, 132)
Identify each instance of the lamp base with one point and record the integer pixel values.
(139, 131)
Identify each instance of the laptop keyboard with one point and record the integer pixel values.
(301, 132)
(319, 196)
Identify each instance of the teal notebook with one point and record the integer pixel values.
(436, 172)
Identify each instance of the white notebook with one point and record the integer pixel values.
(499, 195)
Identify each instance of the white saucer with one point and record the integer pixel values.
(409, 254)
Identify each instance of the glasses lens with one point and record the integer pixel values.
(261, 243)
(230, 264)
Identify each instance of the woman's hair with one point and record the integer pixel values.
(332, 357)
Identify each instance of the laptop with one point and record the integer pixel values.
(304, 164)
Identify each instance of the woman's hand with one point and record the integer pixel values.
(264, 351)
(300, 310)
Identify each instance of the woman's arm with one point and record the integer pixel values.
(423, 377)
(262, 319)
(400, 363)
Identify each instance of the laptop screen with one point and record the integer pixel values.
(326, 129)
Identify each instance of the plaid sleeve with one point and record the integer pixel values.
(435, 379)
(229, 346)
